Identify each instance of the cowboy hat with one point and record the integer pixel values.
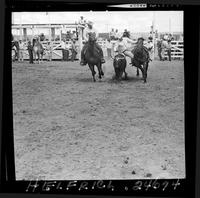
(141, 38)
(90, 23)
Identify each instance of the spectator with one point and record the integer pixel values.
(83, 24)
(169, 46)
(126, 33)
(82, 21)
(73, 50)
(150, 46)
(112, 35)
(21, 50)
(109, 48)
(49, 51)
(65, 52)
(68, 36)
(117, 35)
(159, 46)
(74, 35)
(30, 52)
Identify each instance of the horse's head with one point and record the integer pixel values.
(92, 37)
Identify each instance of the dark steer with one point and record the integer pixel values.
(119, 64)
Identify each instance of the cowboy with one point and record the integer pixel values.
(88, 31)
(122, 46)
(144, 47)
(30, 52)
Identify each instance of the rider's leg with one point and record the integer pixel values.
(83, 61)
(128, 53)
(101, 52)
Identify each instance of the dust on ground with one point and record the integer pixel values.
(66, 127)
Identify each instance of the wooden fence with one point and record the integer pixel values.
(177, 50)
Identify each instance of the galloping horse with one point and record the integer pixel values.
(141, 58)
(93, 57)
(38, 49)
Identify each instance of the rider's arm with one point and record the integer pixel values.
(130, 40)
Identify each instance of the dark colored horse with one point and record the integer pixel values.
(141, 59)
(93, 57)
(119, 64)
(38, 49)
(16, 45)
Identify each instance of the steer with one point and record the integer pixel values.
(119, 64)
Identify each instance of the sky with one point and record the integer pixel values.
(134, 21)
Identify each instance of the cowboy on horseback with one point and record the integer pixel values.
(122, 46)
(90, 30)
(140, 45)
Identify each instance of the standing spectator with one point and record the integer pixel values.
(68, 35)
(126, 33)
(159, 46)
(21, 50)
(150, 48)
(112, 34)
(117, 35)
(82, 22)
(65, 53)
(73, 50)
(74, 36)
(169, 47)
(109, 48)
(49, 51)
(30, 52)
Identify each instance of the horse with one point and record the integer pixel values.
(141, 59)
(15, 47)
(92, 57)
(119, 64)
(38, 49)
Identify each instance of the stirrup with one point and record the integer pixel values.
(83, 63)
(103, 60)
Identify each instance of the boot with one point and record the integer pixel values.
(103, 60)
(83, 62)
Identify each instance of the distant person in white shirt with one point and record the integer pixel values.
(21, 50)
(87, 31)
(83, 24)
(117, 34)
(108, 47)
(150, 47)
(123, 46)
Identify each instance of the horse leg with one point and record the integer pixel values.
(38, 58)
(145, 66)
(93, 72)
(142, 70)
(137, 72)
(126, 75)
(102, 73)
(100, 70)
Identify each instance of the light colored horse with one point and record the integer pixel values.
(38, 49)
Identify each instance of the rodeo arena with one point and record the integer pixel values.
(92, 105)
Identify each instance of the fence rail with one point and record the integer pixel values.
(177, 50)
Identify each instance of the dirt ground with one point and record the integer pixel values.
(66, 127)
